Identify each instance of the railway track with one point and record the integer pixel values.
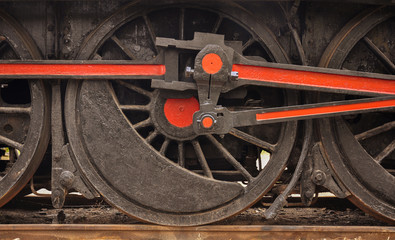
(87, 231)
(33, 218)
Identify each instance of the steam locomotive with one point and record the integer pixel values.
(185, 113)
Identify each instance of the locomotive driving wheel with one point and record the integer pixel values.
(24, 116)
(361, 148)
(137, 146)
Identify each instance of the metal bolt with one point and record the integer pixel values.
(234, 75)
(207, 121)
(309, 194)
(319, 177)
(66, 179)
(189, 72)
(136, 48)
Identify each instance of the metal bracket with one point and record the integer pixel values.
(317, 173)
(200, 40)
(64, 175)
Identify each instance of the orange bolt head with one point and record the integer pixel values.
(212, 63)
(207, 122)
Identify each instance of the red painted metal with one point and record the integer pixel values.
(212, 63)
(179, 112)
(325, 110)
(81, 69)
(207, 122)
(314, 79)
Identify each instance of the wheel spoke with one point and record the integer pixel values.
(147, 122)
(123, 47)
(165, 144)
(380, 55)
(143, 108)
(136, 89)
(217, 24)
(248, 43)
(151, 31)
(375, 131)
(182, 24)
(152, 136)
(202, 159)
(11, 143)
(14, 154)
(11, 110)
(253, 140)
(387, 151)
(181, 154)
(230, 158)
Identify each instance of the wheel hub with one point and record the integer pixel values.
(173, 117)
(179, 112)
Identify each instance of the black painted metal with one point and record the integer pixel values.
(370, 182)
(24, 133)
(127, 161)
(357, 150)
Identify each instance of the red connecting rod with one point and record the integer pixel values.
(254, 75)
(311, 79)
(79, 70)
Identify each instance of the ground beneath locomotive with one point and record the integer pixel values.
(327, 211)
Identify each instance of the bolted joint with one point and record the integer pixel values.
(66, 179)
(189, 72)
(234, 76)
(318, 177)
(207, 121)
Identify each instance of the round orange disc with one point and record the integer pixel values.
(211, 63)
(207, 122)
(179, 112)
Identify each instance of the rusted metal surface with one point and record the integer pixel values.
(361, 151)
(121, 141)
(24, 116)
(206, 232)
(151, 157)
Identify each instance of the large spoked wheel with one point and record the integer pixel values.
(24, 114)
(136, 145)
(361, 147)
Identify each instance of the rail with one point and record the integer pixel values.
(238, 232)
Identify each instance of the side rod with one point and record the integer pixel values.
(100, 70)
(311, 111)
(249, 73)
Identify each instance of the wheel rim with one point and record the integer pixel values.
(25, 127)
(361, 147)
(166, 144)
